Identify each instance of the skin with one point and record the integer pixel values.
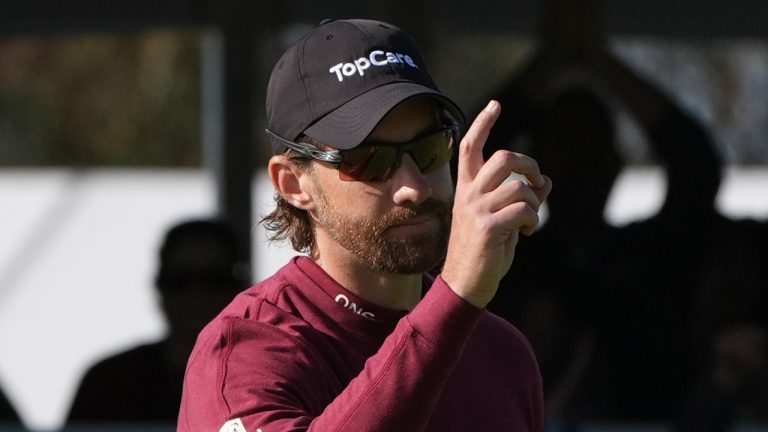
(488, 213)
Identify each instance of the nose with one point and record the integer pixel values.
(409, 184)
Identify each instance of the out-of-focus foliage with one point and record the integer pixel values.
(116, 99)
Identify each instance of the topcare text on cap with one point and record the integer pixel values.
(375, 58)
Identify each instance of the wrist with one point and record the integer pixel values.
(469, 290)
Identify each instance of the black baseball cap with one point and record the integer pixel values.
(341, 78)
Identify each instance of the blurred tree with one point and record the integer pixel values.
(126, 99)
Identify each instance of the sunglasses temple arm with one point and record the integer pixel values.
(330, 156)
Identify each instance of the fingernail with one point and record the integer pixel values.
(491, 107)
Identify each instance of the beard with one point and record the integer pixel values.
(370, 241)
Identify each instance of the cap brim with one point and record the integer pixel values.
(349, 125)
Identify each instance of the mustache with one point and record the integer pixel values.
(430, 206)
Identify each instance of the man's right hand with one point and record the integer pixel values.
(489, 212)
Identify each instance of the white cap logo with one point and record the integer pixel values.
(375, 58)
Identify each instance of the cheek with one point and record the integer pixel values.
(441, 184)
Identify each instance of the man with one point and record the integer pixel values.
(356, 337)
(200, 270)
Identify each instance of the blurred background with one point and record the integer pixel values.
(120, 119)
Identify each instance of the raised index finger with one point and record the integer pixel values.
(471, 147)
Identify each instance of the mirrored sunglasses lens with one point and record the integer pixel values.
(368, 163)
(433, 151)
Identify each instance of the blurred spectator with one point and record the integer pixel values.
(621, 318)
(199, 273)
(555, 288)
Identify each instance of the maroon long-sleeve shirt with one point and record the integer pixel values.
(298, 352)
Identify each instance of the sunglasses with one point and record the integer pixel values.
(372, 161)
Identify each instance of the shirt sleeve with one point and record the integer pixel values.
(260, 380)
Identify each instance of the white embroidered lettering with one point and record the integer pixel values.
(376, 62)
(375, 58)
(348, 69)
(341, 297)
(344, 301)
(235, 425)
(337, 70)
(362, 64)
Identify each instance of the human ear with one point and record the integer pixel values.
(289, 182)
